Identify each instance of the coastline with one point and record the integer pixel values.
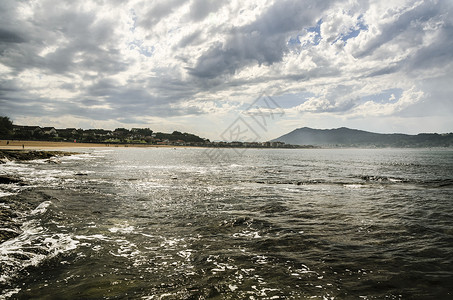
(37, 145)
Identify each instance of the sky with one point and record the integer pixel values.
(199, 66)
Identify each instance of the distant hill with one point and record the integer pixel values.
(346, 137)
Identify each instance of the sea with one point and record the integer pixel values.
(182, 223)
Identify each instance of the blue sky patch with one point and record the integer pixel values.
(353, 31)
(292, 100)
(295, 41)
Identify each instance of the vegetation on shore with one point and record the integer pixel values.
(346, 137)
(142, 136)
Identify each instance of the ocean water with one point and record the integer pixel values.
(163, 223)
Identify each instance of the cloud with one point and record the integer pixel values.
(158, 11)
(261, 42)
(320, 105)
(371, 108)
(189, 39)
(202, 60)
(200, 9)
(7, 37)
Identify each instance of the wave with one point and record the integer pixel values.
(440, 183)
(362, 181)
(383, 179)
(31, 245)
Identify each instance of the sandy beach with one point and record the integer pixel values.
(38, 145)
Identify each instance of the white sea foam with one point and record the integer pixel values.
(12, 167)
(83, 156)
(353, 186)
(248, 234)
(8, 293)
(41, 208)
(32, 247)
(170, 243)
(185, 253)
(4, 194)
(122, 228)
(92, 237)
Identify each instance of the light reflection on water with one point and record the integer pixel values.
(271, 224)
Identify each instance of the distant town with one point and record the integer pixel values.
(142, 136)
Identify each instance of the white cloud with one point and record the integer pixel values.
(124, 63)
(372, 108)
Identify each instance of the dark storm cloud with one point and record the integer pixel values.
(7, 36)
(102, 88)
(14, 37)
(11, 30)
(8, 86)
(262, 42)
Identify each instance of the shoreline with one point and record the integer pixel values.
(45, 145)
(37, 145)
(48, 145)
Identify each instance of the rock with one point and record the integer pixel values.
(9, 180)
(7, 234)
(54, 160)
(31, 155)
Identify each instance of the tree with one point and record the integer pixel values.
(6, 127)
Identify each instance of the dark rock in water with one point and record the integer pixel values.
(384, 179)
(20, 256)
(8, 229)
(9, 180)
(54, 160)
(374, 178)
(6, 155)
(7, 234)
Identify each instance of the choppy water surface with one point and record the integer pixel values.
(268, 224)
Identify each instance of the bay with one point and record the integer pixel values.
(176, 223)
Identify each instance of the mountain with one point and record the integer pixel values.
(346, 137)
